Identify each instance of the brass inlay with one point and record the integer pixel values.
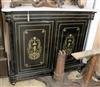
(34, 48)
(69, 43)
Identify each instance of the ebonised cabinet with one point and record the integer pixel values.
(37, 36)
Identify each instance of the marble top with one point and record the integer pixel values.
(6, 8)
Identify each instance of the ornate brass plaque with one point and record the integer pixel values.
(34, 48)
(69, 43)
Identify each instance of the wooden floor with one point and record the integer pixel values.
(4, 82)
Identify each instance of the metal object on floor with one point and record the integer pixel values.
(92, 63)
(59, 71)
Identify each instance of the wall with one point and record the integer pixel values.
(94, 36)
(96, 44)
(94, 25)
(5, 1)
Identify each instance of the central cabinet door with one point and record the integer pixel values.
(33, 42)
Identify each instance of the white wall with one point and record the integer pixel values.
(94, 25)
(90, 4)
(5, 1)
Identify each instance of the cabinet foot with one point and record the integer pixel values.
(12, 80)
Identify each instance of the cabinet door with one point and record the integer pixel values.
(70, 37)
(33, 41)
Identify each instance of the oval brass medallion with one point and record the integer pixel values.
(34, 48)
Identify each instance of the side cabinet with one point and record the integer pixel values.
(36, 37)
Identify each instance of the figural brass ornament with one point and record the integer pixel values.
(69, 44)
(34, 48)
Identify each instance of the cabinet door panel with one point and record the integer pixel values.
(71, 37)
(33, 40)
